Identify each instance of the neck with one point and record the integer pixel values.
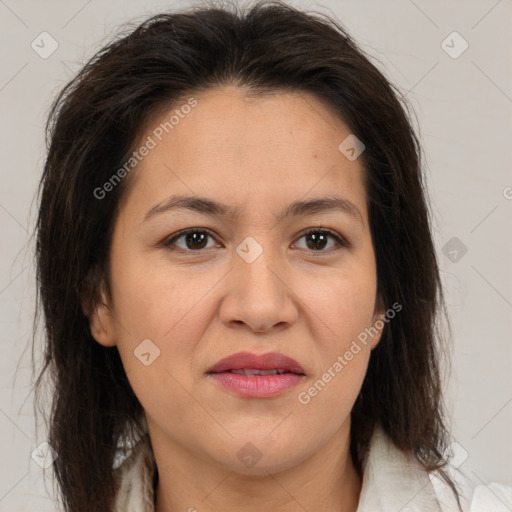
(327, 481)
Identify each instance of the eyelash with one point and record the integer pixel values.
(341, 241)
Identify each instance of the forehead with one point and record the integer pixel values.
(229, 117)
(236, 146)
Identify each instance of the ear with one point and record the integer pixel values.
(101, 321)
(378, 321)
(102, 325)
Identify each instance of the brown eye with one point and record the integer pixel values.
(318, 240)
(195, 240)
(192, 240)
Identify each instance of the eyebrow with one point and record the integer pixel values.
(207, 206)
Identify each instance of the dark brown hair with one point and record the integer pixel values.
(92, 128)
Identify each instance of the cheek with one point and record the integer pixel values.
(344, 310)
(329, 398)
(170, 310)
(157, 301)
(342, 306)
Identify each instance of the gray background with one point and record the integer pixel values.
(463, 108)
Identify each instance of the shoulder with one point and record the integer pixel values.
(474, 496)
(393, 480)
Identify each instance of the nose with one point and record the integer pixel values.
(259, 295)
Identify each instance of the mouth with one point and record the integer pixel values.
(258, 372)
(246, 363)
(257, 376)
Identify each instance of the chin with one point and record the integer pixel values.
(265, 466)
(260, 458)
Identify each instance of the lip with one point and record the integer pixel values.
(257, 386)
(268, 361)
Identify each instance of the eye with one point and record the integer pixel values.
(196, 239)
(318, 239)
(193, 239)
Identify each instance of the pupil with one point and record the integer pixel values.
(318, 239)
(194, 239)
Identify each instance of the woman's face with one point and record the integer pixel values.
(249, 280)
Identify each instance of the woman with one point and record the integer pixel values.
(238, 277)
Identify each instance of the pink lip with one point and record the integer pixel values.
(268, 361)
(257, 386)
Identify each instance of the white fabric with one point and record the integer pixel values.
(392, 482)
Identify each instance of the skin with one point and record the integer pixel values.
(201, 305)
